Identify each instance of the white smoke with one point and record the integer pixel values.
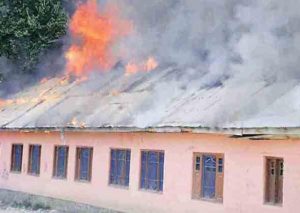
(245, 54)
(220, 38)
(232, 42)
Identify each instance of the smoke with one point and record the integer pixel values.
(219, 38)
(233, 43)
(241, 46)
(50, 61)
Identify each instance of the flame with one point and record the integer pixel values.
(64, 80)
(114, 92)
(23, 101)
(149, 65)
(131, 68)
(95, 33)
(75, 123)
(2, 103)
(43, 96)
(43, 80)
(81, 79)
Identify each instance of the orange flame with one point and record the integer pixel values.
(75, 123)
(43, 80)
(42, 97)
(147, 66)
(2, 103)
(95, 34)
(131, 68)
(151, 64)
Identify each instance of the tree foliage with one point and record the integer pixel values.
(27, 28)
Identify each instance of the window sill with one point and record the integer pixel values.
(118, 186)
(59, 178)
(82, 181)
(273, 204)
(151, 191)
(212, 200)
(15, 172)
(33, 174)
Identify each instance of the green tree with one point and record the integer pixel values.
(29, 27)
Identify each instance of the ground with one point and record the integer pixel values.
(17, 202)
(16, 210)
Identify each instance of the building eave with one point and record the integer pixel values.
(240, 132)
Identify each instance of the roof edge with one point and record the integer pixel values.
(169, 129)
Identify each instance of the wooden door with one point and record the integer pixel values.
(197, 168)
(271, 180)
(279, 181)
(220, 177)
(274, 180)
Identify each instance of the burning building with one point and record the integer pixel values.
(105, 142)
(149, 135)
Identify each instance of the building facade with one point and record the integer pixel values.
(154, 172)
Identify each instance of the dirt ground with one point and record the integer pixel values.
(15, 210)
(18, 202)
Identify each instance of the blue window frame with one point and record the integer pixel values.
(16, 158)
(60, 161)
(209, 176)
(84, 163)
(119, 167)
(152, 170)
(34, 159)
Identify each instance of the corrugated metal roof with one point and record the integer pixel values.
(158, 99)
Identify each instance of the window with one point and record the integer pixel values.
(274, 180)
(152, 170)
(198, 163)
(119, 167)
(208, 175)
(84, 157)
(34, 159)
(16, 158)
(60, 161)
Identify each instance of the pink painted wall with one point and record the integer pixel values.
(243, 177)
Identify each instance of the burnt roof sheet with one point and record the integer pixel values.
(157, 99)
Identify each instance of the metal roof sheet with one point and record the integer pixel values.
(157, 99)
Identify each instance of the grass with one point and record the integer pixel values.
(28, 204)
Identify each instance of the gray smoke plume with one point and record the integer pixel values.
(50, 61)
(235, 43)
(232, 61)
(219, 38)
